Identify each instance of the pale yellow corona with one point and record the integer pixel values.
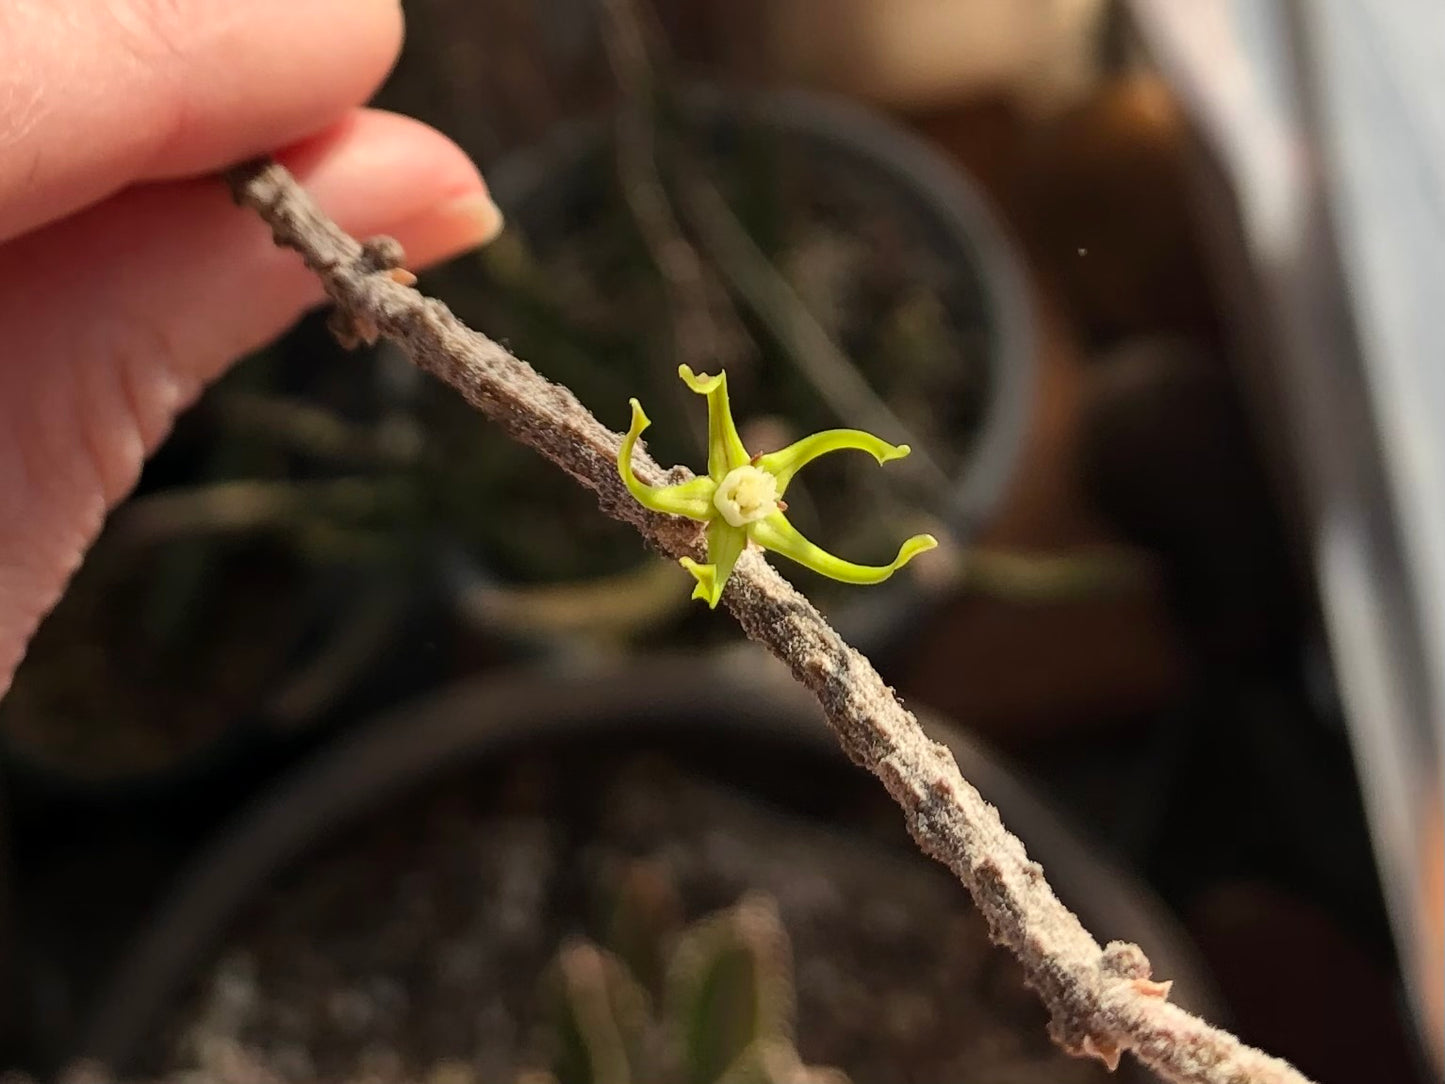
(746, 495)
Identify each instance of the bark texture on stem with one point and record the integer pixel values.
(1102, 1000)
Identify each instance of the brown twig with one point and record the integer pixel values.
(1101, 999)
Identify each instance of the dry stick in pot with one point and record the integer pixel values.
(1102, 1000)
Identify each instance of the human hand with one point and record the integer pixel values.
(128, 280)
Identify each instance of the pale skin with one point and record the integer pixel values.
(128, 281)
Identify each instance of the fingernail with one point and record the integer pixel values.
(477, 219)
(449, 229)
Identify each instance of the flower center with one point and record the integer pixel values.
(746, 494)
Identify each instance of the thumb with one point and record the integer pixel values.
(118, 317)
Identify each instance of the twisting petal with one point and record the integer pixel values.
(777, 534)
(785, 462)
(724, 544)
(724, 447)
(691, 499)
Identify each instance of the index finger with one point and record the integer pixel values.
(98, 94)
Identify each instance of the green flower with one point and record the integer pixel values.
(741, 496)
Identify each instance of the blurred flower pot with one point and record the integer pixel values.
(391, 907)
(844, 275)
(227, 609)
(156, 669)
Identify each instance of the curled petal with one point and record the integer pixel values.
(777, 534)
(691, 499)
(724, 544)
(725, 449)
(786, 462)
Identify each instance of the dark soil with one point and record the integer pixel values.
(413, 949)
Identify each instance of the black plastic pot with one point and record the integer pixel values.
(551, 189)
(194, 585)
(315, 682)
(665, 703)
(92, 771)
